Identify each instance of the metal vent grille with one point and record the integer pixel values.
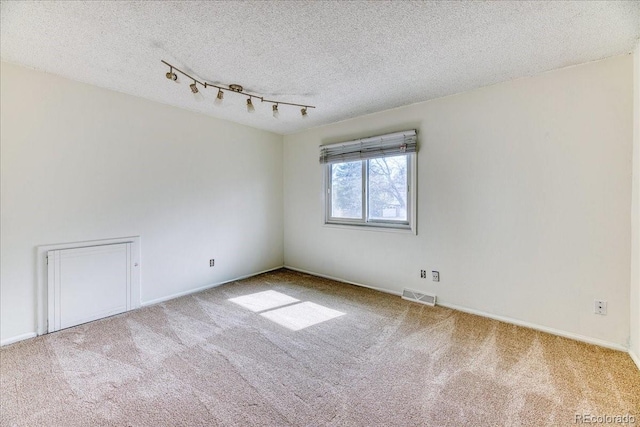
(420, 297)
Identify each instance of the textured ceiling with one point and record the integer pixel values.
(347, 58)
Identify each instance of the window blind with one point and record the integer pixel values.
(392, 144)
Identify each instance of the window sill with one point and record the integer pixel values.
(399, 230)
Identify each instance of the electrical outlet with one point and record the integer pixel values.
(600, 307)
(212, 262)
(436, 276)
(423, 274)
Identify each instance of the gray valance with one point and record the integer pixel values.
(392, 144)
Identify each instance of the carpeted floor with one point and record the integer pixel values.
(347, 356)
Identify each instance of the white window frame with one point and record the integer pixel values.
(374, 224)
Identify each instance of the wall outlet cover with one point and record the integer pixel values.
(600, 307)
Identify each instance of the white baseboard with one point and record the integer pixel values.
(337, 279)
(147, 303)
(204, 288)
(552, 331)
(558, 332)
(18, 338)
(635, 358)
(517, 322)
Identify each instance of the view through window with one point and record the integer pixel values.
(370, 191)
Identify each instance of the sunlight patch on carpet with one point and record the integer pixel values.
(261, 301)
(303, 315)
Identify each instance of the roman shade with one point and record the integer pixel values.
(392, 144)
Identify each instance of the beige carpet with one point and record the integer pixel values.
(357, 358)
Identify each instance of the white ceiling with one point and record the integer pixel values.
(346, 58)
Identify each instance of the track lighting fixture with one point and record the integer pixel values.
(171, 75)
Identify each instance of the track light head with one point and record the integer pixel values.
(171, 75)
(276, 113)
(193, 87)
(303, 111)
(250, 107)
(219, 97)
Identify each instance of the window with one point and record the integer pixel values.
(371, 182)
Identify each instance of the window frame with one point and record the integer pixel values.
(364, 222)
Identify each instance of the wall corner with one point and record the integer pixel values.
(634, 343)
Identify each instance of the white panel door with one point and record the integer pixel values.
(88, 283)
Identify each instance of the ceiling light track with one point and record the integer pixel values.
(234, 88)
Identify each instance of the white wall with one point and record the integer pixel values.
(524, 201)
(635, 215)
(524, 196)
(82, 163)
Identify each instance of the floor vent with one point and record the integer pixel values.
(420, 297)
